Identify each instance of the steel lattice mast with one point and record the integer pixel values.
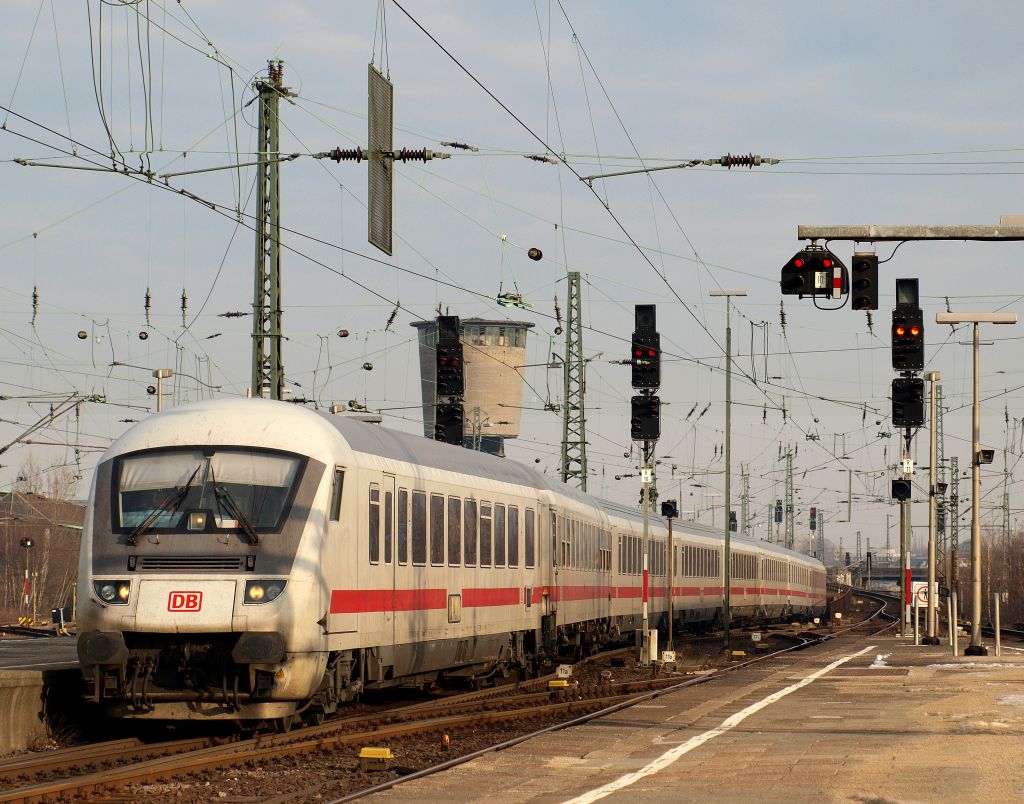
(267, 363)
(789, 500)
(954, 523)
(574, 418)
(941, 543)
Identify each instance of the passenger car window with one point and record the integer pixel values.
(419, 528)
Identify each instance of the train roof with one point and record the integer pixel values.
(303, 426)
(376, 440)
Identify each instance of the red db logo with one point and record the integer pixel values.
(184, 601)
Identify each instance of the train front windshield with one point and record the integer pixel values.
(204, 489)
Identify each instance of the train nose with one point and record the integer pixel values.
(186, 605)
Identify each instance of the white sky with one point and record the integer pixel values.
(882, 113)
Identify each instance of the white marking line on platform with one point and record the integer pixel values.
(729, 723)
(38, 664)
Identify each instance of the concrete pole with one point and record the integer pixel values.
(995, 608)
(932, 637)
(950, 621)
(727, 566)
(671, 582)
(976, 648)
(727, 608)
(645, 473)
(905, 539)
(914, 615)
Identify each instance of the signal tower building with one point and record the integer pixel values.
(493, 353)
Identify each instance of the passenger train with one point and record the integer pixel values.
(256, 560)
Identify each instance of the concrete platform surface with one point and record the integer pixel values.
(17, 653)
(40, 690)
(876, 720)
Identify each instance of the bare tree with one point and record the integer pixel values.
(40, 508)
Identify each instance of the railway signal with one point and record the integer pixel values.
(451, 379)
(814, 519)
(646, 360)
(908, 402)
(449, 423)
(814, 271)
(645, 355)
(864, 281)
(901, 490)
(645, 421)
(907, 339)
(26, 542)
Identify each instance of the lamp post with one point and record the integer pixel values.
(726, 564)
(933, 613)
(976, 648)
(161, 375)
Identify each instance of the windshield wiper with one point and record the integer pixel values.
(170, 504)
(225, 498)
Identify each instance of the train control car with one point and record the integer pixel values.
(253, 560)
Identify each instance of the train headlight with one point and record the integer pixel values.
(262, 591)
(113, 592)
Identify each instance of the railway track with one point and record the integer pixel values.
(27, 631)
(103, 767)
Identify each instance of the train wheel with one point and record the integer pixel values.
(313, 717)
(284, 724)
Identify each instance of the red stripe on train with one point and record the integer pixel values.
(368, 601)
(363, 601)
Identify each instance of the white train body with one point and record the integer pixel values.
(248, 559)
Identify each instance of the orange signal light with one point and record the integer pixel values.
(915, 331)
(901, 330)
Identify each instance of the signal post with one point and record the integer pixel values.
(645, 426)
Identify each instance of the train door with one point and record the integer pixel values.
(548, 576)
(389, 529)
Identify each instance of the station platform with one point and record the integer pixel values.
(40, 690)
(853, 719)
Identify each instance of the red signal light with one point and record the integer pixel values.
(442, 361)
(455, 361)
(799, 263)
(826, 262)
(638, 352)
(652, 352)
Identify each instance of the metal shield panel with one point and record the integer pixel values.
(380, 169)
